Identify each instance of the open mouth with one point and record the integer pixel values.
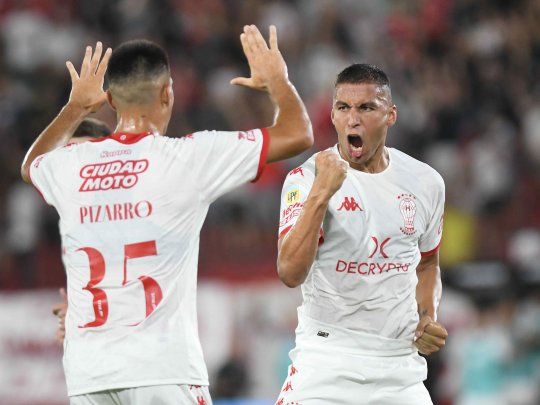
(355, 145)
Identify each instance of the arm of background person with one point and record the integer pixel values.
(297, 249)
(291, 132)
(86, 96)
(59, 310)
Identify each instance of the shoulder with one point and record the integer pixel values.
(59, 154)
(165, 144)
(417, 169)
(304, 172)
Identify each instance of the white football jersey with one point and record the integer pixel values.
(131, 209)
(374, 233)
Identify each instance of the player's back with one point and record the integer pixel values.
(131, 208)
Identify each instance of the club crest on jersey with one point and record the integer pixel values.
(407, 207)
(112, 175)
(293, 196)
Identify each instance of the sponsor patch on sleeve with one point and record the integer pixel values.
(291, 212)
(292, 196)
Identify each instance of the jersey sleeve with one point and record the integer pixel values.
(225, 160)
(431, 239)
(295, 191)
(44, 173)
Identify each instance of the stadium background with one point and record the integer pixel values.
(464, 75)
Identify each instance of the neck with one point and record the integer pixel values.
(138, 122)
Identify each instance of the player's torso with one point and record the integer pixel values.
(365, 268)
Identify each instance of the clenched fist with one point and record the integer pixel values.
(330, 171)
(430, 336)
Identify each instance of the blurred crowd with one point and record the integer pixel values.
(465, 78)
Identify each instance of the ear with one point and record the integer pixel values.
(110, 100)
(166, 93)
(332, 115)
(392, 116)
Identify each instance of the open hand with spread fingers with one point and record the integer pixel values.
(266, 64)
(87, 87)
(430, 336)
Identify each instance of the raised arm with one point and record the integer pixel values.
(86, 96)
(291, 132)
(297, 249)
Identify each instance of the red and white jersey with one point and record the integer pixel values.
(375, 231)
(131, 209)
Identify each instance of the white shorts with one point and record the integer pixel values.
(151, 395)
(332, 366)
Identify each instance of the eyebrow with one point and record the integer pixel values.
(371, 103)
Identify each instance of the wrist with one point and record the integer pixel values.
(423, 312)
(76, 110)
(278, 83)
(321, 194)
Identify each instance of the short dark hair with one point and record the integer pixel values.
(362, 73)
(138, 59)
(93, 128)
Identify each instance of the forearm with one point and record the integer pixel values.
(56, 135)
(428, 290)
(298, 249)
(292, 127)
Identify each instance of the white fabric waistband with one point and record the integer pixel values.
(312, 334)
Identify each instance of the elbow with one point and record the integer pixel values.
(289, 281)
(302, 139)
(288, 276)
(306, 139)
(299, 135)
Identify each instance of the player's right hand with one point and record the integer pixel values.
(87, 87)
(330, 171)
(60, 309)
(267, 66)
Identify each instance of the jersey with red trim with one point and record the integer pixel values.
(131, 209)
(376, 229)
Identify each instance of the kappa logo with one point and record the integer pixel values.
(293, 370)
(298, 170)
(201, 401)
(349, 204)
(288, 387)
(249, 135)
(112, 175)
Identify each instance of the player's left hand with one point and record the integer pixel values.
(430, 336)
(87, 87)
(60, 309)
(265, 61)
